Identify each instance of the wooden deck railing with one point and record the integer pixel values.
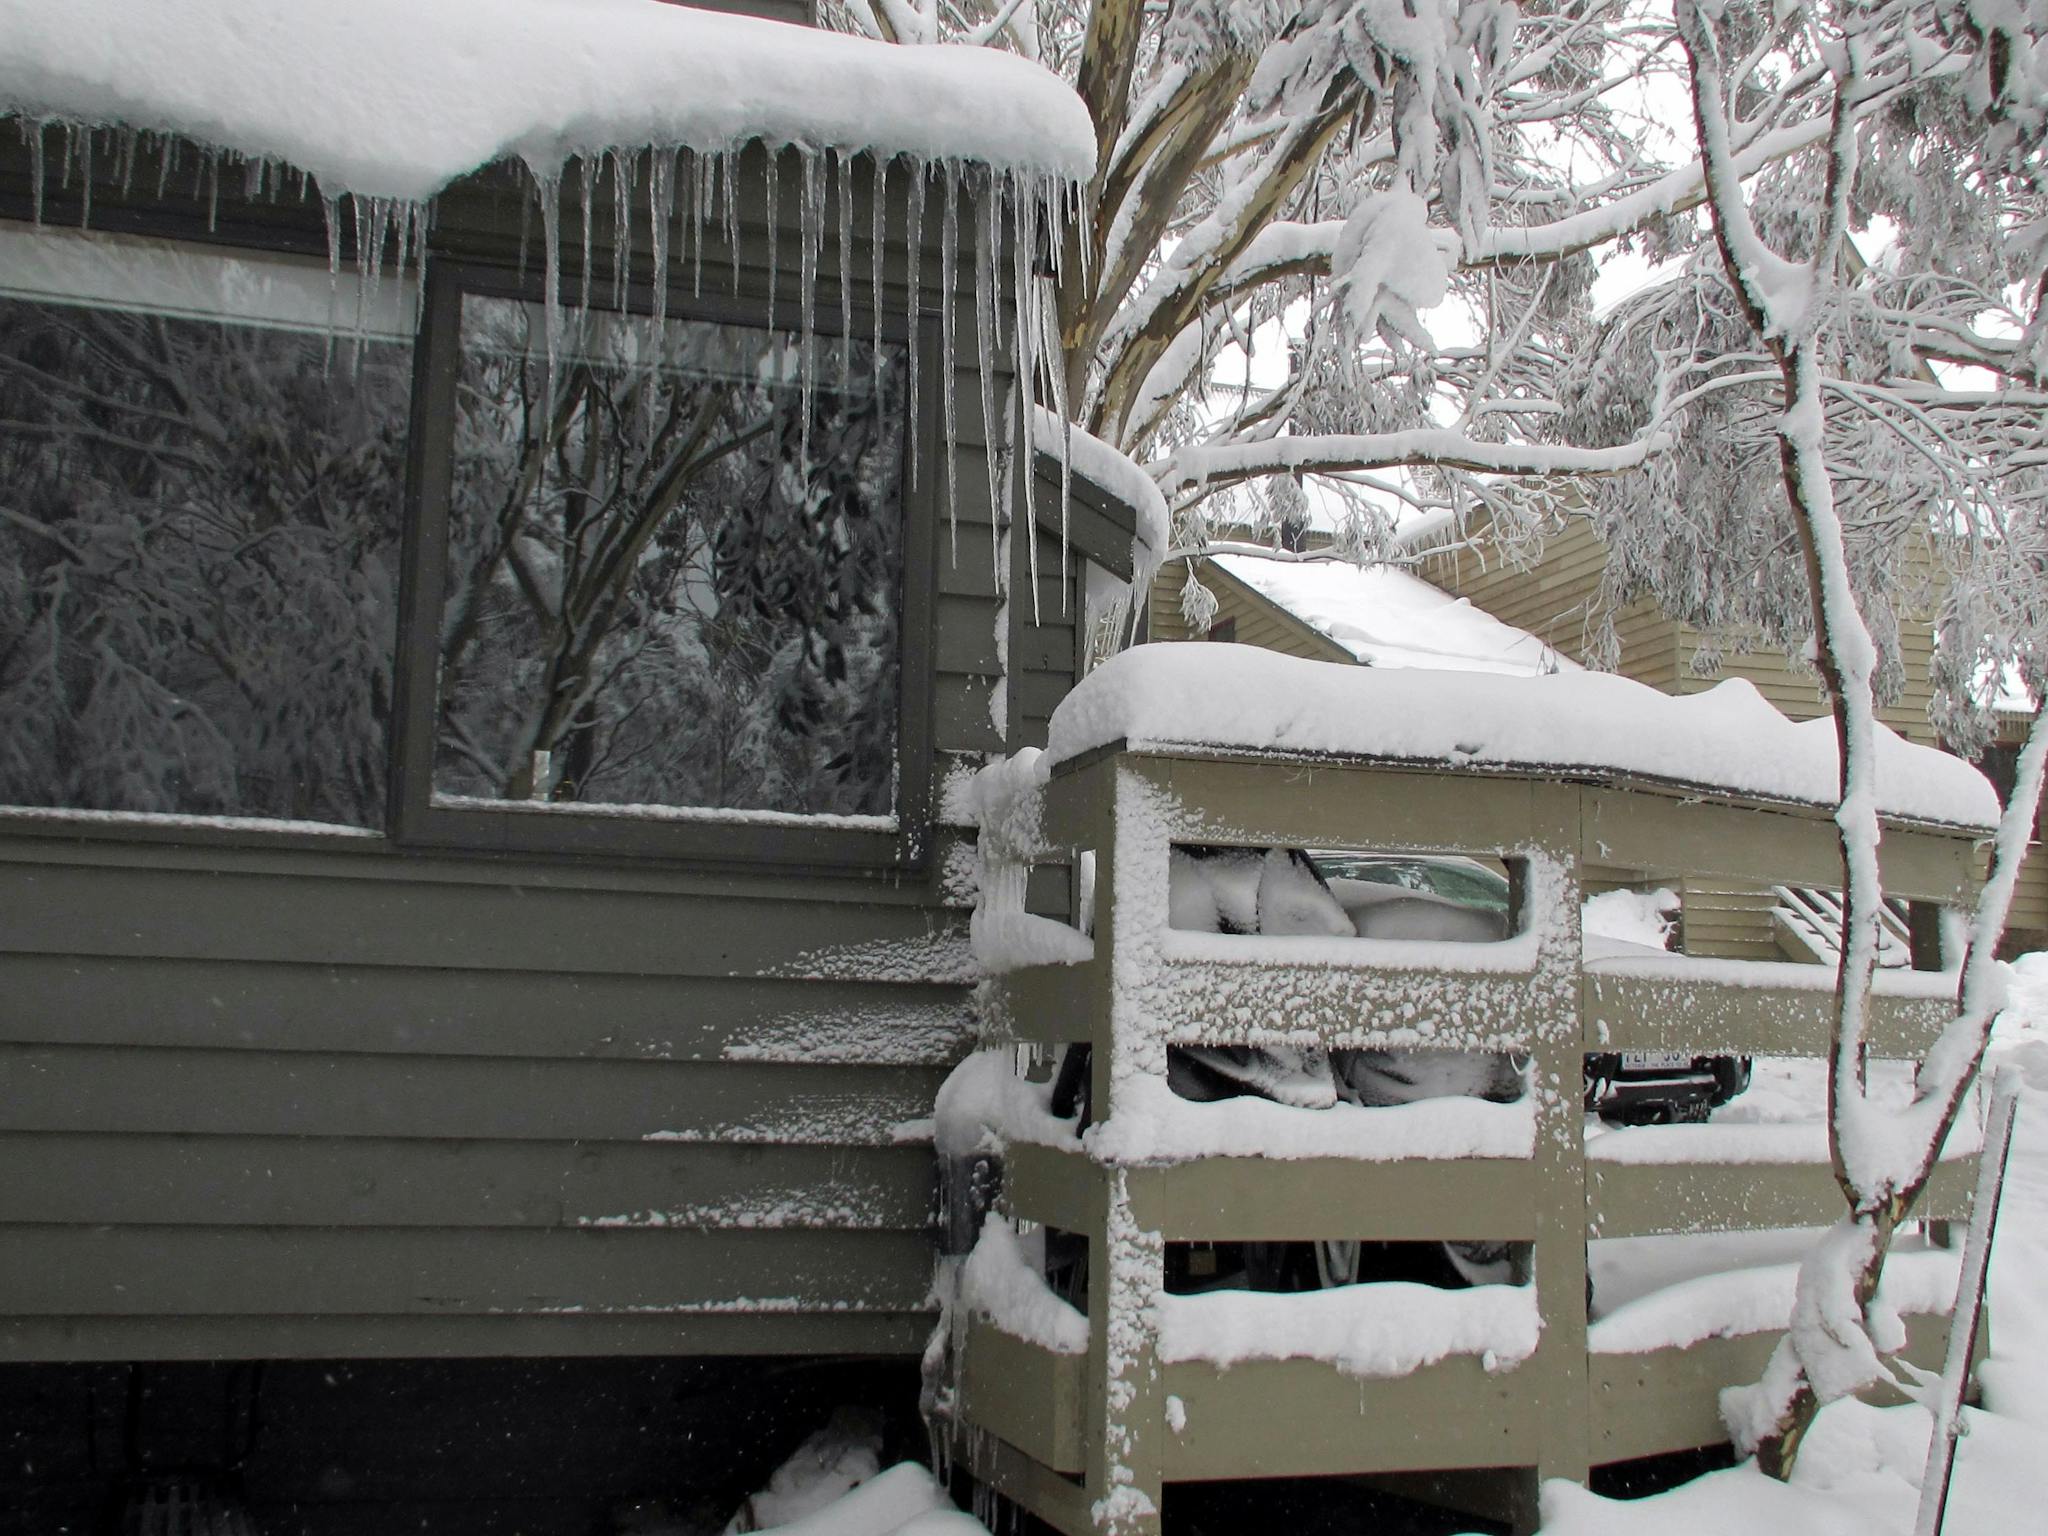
(1089, 1441)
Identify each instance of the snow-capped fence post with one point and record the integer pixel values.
(1125, 1453)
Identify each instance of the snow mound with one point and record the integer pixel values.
(902, 1501)
(1728, 739)
(397, 98)
(1002, 1284)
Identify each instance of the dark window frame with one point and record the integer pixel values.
(413, 817)
(413, 822)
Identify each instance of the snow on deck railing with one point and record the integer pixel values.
(1735, 1144)
(1731, 1303)
(1727, 740)
(1776, 975)
(1150, 1168)
(1384, 1329)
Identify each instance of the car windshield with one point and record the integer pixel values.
(1466, 882)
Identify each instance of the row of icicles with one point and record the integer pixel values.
(1000, 215)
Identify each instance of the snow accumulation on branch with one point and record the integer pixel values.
(397, 98)
(1727, 740)
(1217, 464)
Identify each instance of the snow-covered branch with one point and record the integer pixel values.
(1214, 464)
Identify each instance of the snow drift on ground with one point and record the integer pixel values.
(903, 1501)
(1728, 738)
(397, 98)
(1388, 618)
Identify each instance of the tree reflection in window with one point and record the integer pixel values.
(669, 584)
(198, 560)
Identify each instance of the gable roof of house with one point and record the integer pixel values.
(1388, 618)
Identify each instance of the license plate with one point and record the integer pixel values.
(1654, 1061)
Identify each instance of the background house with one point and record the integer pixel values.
(1472, 608)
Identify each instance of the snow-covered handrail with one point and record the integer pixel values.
(1727, 740)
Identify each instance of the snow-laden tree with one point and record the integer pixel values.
(1936, 118)
(1786, 437)
(1284, 192)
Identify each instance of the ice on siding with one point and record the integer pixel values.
(1728, 739)
(1002, 801)
(397, 98)
(1388, 618)
(940, 956)
(1381, 1330)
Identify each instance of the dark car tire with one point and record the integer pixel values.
(1731, 1077)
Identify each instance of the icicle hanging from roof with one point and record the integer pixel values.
(385, 103)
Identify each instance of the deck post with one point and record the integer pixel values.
(1559, 1372)
(1126, 1405)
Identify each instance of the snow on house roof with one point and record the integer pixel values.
(1389, 618)
(397, 98)
(1727, 739)
(1118, 475)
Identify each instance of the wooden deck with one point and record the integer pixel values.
(1089, 1442)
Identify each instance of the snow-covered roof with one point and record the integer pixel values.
(1389, 618)
(397, 98)
(1728, 739)
(1117, 475)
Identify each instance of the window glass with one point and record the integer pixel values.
(671, 587)
(198, 535)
